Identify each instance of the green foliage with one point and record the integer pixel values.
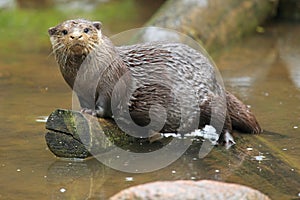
(27, 28)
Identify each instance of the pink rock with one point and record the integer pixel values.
(189, 190)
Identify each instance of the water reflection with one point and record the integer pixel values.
(289, 50)
(243, 69)
(100, 182)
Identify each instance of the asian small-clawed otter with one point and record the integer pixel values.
(185, 71)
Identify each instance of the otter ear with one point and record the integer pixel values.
(97, 24)
(52, 30)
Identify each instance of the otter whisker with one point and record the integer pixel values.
(91, 48)
(93, 45)
(53, 52)
(55, 47)
(65, 56)
(58, 48)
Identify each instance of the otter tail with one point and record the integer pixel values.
(241, 117)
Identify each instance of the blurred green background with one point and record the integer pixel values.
(25, 22)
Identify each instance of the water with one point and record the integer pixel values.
(262, 70)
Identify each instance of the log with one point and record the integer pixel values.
(214, 23)
(72, 134)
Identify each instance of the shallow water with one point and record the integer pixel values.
(263, 71)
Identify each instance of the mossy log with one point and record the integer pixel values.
(72, 134)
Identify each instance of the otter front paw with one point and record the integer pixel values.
(96, 113)
(88, 111)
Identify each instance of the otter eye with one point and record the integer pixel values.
(65, 32)
(86, 30)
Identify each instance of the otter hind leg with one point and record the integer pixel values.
(241, 117)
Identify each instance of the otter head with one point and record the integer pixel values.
(75, 37)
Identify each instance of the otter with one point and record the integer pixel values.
(180, 70)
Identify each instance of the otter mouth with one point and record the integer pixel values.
(78, 49)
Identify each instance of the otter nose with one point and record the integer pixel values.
(76, 35)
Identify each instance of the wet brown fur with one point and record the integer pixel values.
(131, 58)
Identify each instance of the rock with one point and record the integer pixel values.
(192, 190)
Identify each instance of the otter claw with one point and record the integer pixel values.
(88, 111)
(228, 140)
(155, 136)
(94, 113)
